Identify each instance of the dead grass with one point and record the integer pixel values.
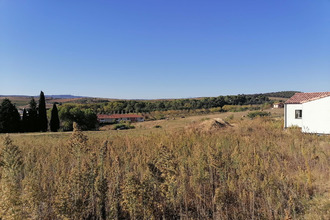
(254, 169)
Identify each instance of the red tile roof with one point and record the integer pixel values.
(116, 116)
(300, 98)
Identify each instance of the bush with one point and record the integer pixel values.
(86, 118)
(252, 115)
(123, 126)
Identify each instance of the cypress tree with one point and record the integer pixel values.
(42, 116)
(33, 116)
(25, 122)
(54, 120)
(9, 117)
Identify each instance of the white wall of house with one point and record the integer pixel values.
(290, 115)
(106, 120)
(316, 116)
(140, 119)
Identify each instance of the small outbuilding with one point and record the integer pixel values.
(309, 111)
(278, 105)
(103, 119)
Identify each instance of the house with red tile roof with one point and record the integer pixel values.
(103, 119)
(309, 111)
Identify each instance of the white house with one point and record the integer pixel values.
(278, 105)
(310, 111)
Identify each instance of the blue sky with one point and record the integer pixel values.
(163, 48)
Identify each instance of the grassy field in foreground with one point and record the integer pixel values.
(252, 169)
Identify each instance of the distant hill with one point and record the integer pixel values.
(47, 96)
(64, 96)
(282, 94)
(22, 101)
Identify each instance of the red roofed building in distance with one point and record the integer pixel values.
(103, 119)
(309, 111)
(278, 105)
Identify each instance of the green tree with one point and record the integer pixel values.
(9, 117)
(54, 120)
(42, 116)
(85, 118)
(221, 101)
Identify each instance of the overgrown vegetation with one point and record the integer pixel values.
(253, 170)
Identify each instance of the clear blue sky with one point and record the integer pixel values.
(163, 48)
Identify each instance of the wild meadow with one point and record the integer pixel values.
(251, 170)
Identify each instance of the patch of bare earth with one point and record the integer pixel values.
(209, 125)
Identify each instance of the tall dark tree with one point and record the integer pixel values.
(9, 117)
(33, 116)
(25, 121)
(54, 120)
(42, 116)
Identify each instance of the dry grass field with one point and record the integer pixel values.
(248, 169)
(18, 101)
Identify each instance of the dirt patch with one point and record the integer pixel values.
(209, 125)
(214, 124)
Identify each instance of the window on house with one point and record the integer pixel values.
(298, 114)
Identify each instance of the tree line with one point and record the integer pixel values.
(34, 119)
(142, 106)
(183, 104)
(282, 94)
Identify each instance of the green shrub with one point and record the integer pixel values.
(123, 126)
